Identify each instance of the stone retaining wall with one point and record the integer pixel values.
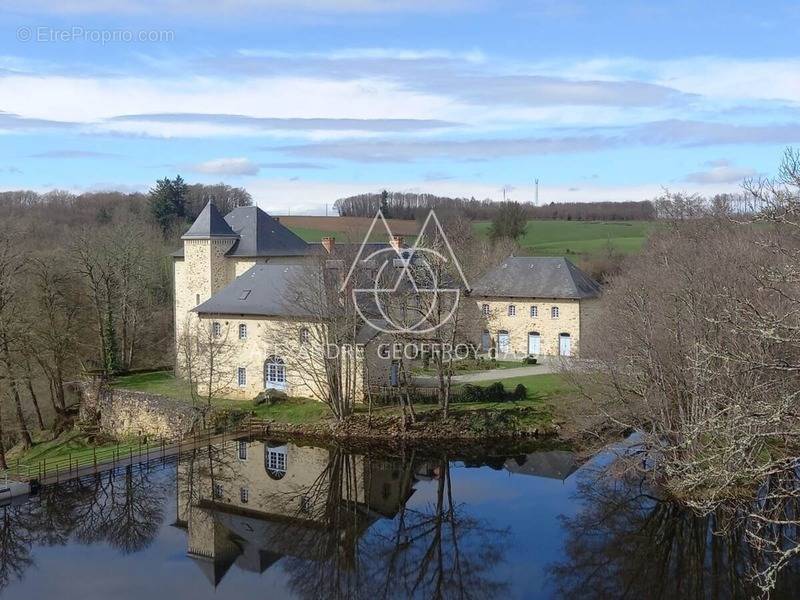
(121, 413)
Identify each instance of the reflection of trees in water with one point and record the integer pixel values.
(16, 539)
(437, 551)
(125, 511)
(628, 543)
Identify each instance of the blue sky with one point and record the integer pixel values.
(304, 101)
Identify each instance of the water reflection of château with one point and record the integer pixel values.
(253, 502)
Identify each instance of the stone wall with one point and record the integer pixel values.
(521, 323)
(122, 413)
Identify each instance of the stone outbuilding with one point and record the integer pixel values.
(535, 306)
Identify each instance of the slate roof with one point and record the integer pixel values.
(261, 290)
(261, 235)
(536, 277)
(555, 464)
(209, 223)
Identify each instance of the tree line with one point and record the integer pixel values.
(406, 205)
(86, 284)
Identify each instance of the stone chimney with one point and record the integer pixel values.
(328, 243)
(397, 242)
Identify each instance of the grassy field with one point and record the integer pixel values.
(561, 238)
(542, 238)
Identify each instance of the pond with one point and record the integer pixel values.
(270, 518)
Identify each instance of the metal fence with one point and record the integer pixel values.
(141, 449)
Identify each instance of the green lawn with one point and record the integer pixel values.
(548, 386)
(542, 389)
(70, 448)
(164, 383)
(561, 238)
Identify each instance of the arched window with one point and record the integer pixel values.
(274, 373)
(304, 335)
(276, 460)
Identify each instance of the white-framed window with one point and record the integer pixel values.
(304, 335)
(305, 504)
(534, 311)
(242, 331)
(554, 312)
(276, 461)
(512, 310)
(217, 490)
(242, 450)
(244, 495)
(485, 310)
(241, 376)
(216, 329)
(274, 373)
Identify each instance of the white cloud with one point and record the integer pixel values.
(720, 171)
(714, 77)
(95, 100)
(226, 166)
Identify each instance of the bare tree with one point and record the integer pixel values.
(205, 355)
(698, 348)
(11, 329)
(324, 338)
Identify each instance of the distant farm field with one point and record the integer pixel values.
(560, 238)
(345, 229)
(543, 237)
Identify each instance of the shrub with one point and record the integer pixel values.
(496, 392)
(530, 360)
(472, 393)
(520, 392)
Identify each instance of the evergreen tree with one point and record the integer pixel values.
(168, 201)
(385, 204)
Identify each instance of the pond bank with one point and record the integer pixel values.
(530, 417)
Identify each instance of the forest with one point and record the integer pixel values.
(86, 285)
(404, 205)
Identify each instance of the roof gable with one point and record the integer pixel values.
(261, 235)
(536, 277)
(209, 223)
